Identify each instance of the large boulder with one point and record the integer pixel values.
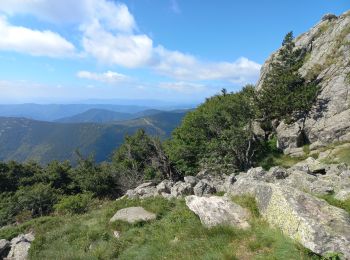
(132, 215)
(216, 210)
(312, 222)
(20, 246)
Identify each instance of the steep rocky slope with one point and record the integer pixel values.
(327, 47)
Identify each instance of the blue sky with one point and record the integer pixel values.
(170, 50)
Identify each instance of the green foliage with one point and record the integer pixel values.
(141, 157)
(74, 204)
(285, 94)
(38, 199)
(219, 132)
(95, 178)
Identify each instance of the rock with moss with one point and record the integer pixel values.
(312, 222)
(215, 210)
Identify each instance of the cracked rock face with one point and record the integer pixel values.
(328, 58)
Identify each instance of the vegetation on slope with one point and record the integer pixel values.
(176, 234)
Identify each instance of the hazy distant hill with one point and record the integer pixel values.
(56, 111)
(96, 116)
(24, 139)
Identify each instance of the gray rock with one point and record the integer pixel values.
(276, 173)
(20, 246)
(256, 173)
(229, 181)
(343, 194)
(181, 189)
(215, 210)
(203, 187)
(164, 186)
(312, 222)
(132, 215)
(191, 180)
(311, 166)
(145, 190)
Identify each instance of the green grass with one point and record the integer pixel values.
(176, 234)
(279, 159)
(339, 155)
(337, 203)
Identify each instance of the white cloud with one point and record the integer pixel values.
(187, 67)
(128, 50)
(109, 77)
(109, 34)
(114, 15)
(34, 42)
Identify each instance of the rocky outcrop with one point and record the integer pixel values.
(328, 59)
(20, 247)
(132, 215)
(216, 210)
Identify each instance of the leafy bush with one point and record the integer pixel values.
(38, 199)
(139, 158)
(75, 204)
(219, 132)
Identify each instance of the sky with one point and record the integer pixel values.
(64, 51)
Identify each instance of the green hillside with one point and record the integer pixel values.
(24, 139)
(96, 116)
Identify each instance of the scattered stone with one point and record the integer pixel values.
(164, 186)
(276, 173)
(181, 189)
(133, 214)
(216, 210)
(203, 187)
(191, 180)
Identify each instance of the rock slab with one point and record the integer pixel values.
(216, 210)
(133, 214)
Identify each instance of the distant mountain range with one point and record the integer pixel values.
(62, 112)
(25, 139)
